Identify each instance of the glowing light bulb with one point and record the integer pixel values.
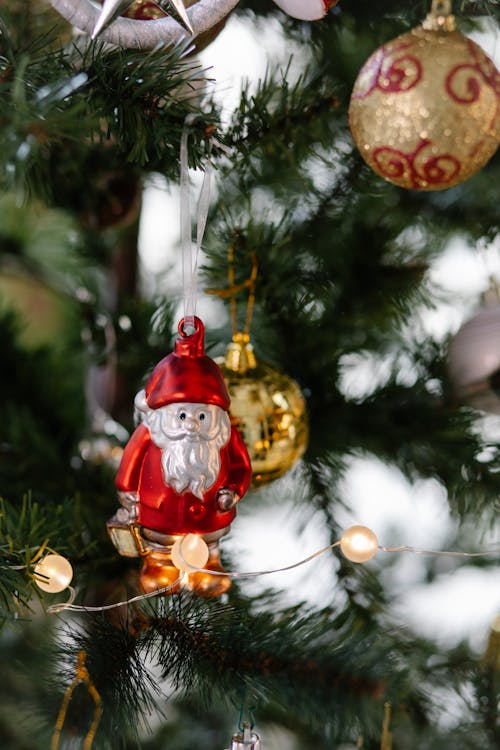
(359, 544)
(190, 552)
(53, 574)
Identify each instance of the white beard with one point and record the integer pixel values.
(189, 462)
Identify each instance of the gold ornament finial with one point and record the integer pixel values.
(239, 356)
(440, 17)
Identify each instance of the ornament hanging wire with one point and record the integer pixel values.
(386, 742)
(440, 16)
(81, 676)
(234, 289)
(441, 7)
(246, 715)
(189, 255)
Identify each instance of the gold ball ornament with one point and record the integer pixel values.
(53, 574)
(268, 408)
(190, 551)
(425, 108)
(359, 544)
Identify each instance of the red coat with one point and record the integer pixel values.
(165, 510)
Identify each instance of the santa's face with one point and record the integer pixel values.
(190, 437)
(190, 422)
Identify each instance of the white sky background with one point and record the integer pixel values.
(461, 603)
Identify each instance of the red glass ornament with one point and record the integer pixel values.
(168, 503)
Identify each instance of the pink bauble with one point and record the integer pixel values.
(474, 360)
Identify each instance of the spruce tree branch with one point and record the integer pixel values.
(285, 111)
(224, 647)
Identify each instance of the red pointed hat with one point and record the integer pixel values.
(187, 375)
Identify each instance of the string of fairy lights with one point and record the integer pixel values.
(359, 544)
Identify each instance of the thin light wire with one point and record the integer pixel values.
(56, 608)
(256, 573)
(321, 551)
(447, 553)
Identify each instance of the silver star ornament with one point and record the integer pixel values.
(113, 8)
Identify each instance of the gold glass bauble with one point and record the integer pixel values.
(268, 408)
(425, 108)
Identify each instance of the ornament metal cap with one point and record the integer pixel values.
(246, 740)
(239, 356)
(440, 18)
(187, 375)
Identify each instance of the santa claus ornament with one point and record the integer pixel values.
(182, 472)
(425, 108)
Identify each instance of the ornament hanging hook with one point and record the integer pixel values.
(247, 718)
(83, 676)
(440, 17)
(234, 289)
(247, 284)
(190, 256)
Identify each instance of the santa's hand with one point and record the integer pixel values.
(129, 500)
(226, 499)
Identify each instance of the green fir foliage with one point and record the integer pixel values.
(344, 265)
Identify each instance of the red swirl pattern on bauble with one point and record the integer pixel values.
(464, 83)
(389, 74)
(420, 169)
(425, 109)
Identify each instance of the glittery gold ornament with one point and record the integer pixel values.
(267, 407)
(425, 108)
